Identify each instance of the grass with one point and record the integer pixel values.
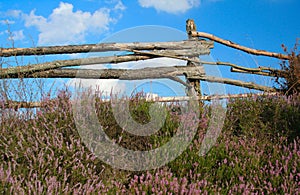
(258, 151)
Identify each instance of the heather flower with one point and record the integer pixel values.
(257, 153)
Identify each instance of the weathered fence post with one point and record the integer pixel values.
(195, 61)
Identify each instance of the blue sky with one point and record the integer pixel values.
(262, 24)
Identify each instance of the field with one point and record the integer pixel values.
(258, 151)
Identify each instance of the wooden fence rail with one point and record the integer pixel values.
(188, 50)
(239, 47)
(16, 104)
(104, 47)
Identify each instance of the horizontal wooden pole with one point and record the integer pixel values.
(261, 70)
(278, 73)
(239, 47)
(207, 98)
(16, 104)
(249, 85)
(191, 72)
(122, 74)
(103, 47)
(140, 55)
(15, 71)
(252, 72)
(236, 66)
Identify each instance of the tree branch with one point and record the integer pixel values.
(239, 47)
(249, 85)
(13, 71)
(122, 74)
(240, 69)
(16, 104)
(253, 72)
(169, 55)
(102, 47)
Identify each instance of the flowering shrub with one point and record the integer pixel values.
(290, 83)
(258, 152)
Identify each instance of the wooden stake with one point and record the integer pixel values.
(194, 59)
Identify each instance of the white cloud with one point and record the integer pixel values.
(7, 22)
(107, 87)
(119, 6)
(17, 35)
(14, 35)
(65, 26)
(14, 13)
(170, 6)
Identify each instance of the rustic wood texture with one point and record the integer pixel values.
(193, 59)
(103, 47)
(253, 72)
(122, 74)
(239, 47)
(264, 71)
(13, 71)
(191, 72)
(188, 50)
(249, 85)
(141, 55)
(173, 54)
(17, 105)
(208, 98)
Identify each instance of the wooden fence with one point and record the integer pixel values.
(188, 50)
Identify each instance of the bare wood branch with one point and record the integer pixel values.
(239, 47)
(16, 105)
(253, 72)
(208, 98)
(231, 65)
(102, 47)
(169, 55)
(122, 74)
(145, 73)
(249, 85)
(4, 72)
(278, 73)
(14, 71)
(240, 69)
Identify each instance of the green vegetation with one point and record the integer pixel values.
(257, 151)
